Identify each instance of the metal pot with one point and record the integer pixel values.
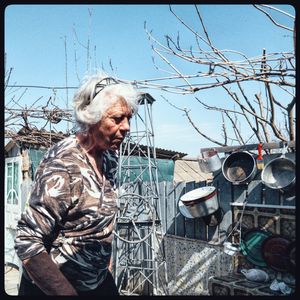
(279, 174)
(201, 202)
(210, 161)
(239, 167)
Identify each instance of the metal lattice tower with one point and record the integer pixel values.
(139, 261)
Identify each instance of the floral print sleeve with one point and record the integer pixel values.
(52, 196)
(71, 214)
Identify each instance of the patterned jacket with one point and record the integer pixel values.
(71, 214)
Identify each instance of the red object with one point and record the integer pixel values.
(192, 202)
(259, 148)
(259, 159)
(275, 252)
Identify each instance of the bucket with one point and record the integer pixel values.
(210, 161)
(201, 201)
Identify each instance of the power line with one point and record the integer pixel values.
(43, 87)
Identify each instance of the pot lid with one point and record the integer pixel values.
(197, 193)
(274, 251)
(251, 243)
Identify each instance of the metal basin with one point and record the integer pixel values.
(239, 167)
(279, 173)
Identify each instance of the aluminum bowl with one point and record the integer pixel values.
(279, 173)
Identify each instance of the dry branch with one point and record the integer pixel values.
(231, 69)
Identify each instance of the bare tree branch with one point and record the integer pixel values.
(272, 19)
(263, 124)
(231, 69)
(186, 112)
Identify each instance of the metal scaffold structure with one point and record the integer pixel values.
(139, 262)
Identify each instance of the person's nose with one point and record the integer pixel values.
(125, 125)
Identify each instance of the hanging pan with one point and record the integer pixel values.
(275, 252)
(213, 219)
(279, 173)
(239, 168)
(201, 202)
(251, 244)
(210, 161)
(183, 210)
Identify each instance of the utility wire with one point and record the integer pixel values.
(44, 87)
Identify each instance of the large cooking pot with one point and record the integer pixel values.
(210, 161)
(239, 167)
(279, 174)
(201, 202)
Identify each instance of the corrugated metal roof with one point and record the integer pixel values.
(29, 140)
(160, 153)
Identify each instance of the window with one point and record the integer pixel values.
(12, 178)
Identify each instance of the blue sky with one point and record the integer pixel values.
(34, 47)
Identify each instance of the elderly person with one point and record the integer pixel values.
(64, 236)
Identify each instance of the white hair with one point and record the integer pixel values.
(89, 109)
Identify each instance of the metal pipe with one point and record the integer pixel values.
(248, 147)
(264, 205)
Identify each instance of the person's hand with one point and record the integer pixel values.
(47, 276)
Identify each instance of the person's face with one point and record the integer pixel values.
(111, 130)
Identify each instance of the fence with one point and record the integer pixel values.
(229, 195)
(192, 242)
